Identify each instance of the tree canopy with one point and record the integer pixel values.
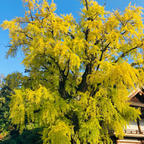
(80, 72)
(8, 84)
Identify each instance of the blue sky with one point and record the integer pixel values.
(10, 9)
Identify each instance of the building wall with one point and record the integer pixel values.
(142, 125)
(132, 127)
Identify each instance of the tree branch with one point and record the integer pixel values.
(25, 34)
(95, 90)
(135, 64)
(83, 85)
(31, 16)
(68, 67)
(86, 4)
(70, 34)
(62, 79)
(55, 62)
(127, 52)
(101, 57)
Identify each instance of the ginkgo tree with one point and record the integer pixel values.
(80, 72)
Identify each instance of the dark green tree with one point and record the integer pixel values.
(8, 84)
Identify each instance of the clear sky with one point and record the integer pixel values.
(10, 9)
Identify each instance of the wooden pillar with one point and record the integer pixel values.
(138, 124)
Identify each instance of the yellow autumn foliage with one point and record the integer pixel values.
(80, 73)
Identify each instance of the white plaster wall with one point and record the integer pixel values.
(142, 125)
(132, 126)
